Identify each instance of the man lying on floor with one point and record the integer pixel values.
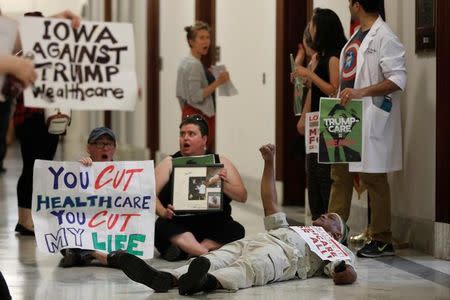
(277, 255)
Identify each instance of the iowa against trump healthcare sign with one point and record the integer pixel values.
(108, 206)
(89, 68)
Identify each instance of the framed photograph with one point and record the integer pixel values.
(425, 25)
(197, 188)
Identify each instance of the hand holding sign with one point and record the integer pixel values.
(67, 14)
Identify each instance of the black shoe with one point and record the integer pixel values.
(22, 230)
(74, 257)
(197, 278)
(138, 270)
(173, 253)
(376, 249)
(113, 258)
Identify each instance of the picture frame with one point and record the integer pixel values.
(197, 188)
(425, 25)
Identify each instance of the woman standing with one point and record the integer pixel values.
(195, 84)
(328, 39)
(35, 142)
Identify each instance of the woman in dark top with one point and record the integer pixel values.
(195, 234)
(328, 39)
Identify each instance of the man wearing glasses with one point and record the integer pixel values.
(101, 146)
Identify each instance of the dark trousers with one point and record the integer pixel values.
(35, 143)
(5, 112)
(319, 186)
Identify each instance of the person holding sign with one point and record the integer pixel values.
(35, 140)
(372, 68)
(101, 146)
(177, 236)
(279, 254)
(328, 39)
(195, 84)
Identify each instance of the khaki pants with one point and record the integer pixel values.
(379, 193)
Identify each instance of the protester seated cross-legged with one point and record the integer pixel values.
(277, 255)
(101, 146)
(179, 236)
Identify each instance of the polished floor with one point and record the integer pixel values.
(34, 275)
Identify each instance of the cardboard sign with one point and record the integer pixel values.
(108, 206)
(312, 132)
(341, 129)
(88, 68)
(321, 243)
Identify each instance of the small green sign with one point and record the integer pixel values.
(341, 128)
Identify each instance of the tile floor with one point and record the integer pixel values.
(34, 275)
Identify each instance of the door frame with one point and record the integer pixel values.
(205, 10)
(442, 110)
(153, 77)
(291, 18)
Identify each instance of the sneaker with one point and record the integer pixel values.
(376, 249)
(138, 270)
(197, 278)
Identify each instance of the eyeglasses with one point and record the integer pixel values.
(194, 117)
(198, 118)
(101, 145)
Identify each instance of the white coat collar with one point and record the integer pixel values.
(366, 42)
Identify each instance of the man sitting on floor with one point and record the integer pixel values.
(279, 254)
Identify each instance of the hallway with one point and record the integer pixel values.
(34, 275)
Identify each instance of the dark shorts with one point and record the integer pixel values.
(219, 229)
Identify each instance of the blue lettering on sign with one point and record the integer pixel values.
(71, 217)
(70, 179)
(61, 240)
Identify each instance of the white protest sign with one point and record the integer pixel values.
(88, 68)
(108, 206)
(312, 132)
(321, 243)
(228, 89)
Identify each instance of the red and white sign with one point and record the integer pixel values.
(321, 243)
(312, 132)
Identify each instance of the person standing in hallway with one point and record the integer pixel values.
(372, 68)
(195, 84)
(35, 140)
(328, 39)
(15, 66)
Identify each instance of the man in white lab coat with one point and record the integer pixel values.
(372, 68)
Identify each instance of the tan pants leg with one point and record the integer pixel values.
(341, 190)
(380, 204)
